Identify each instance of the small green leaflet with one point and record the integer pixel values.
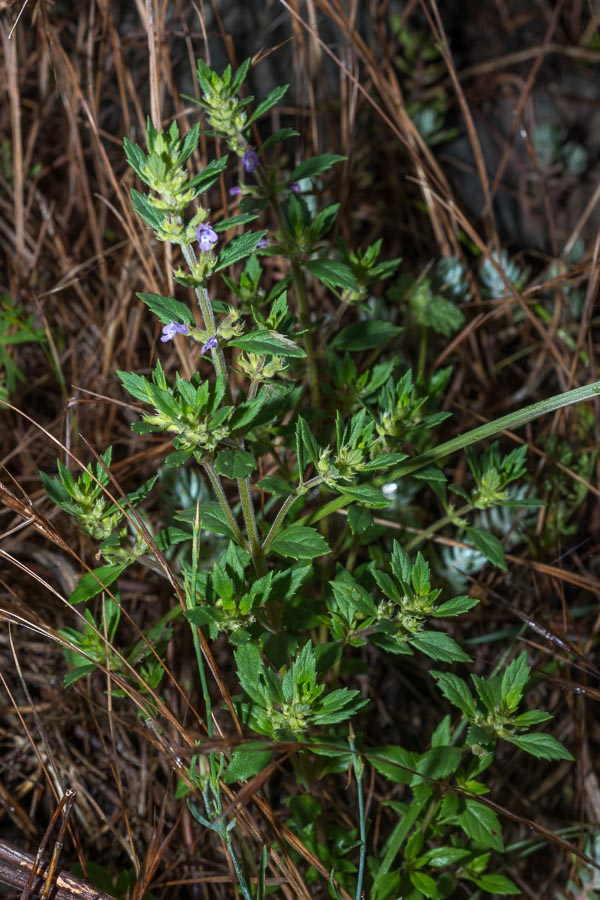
(265, 105)
(542, 746)
(365, 335)
(247, 761)
(265, 342)
(482, 825)
(238, 248)
(439, 646)
(315, 166)
(332, 273)
(167, 309)
(489, 545)
(235, 463)
(94, 582)
(300, 542)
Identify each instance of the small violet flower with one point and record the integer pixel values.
(235, 191)
(211, 343)
(250, 161)
(295, 187)
(169, 331)
(262, 244)
(207, 237)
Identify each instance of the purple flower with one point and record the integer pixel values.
(211, 343)
(169, 331)
(207, 237)
(235, 191)
(262, 244)
(250, 161)
(294, 186)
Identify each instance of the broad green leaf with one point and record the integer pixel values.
(238, 248)
(167, 309)
(365, 493)
(275, 485)
(332, 273)
(265, 105)
(283, 134)
(438, 763)
(514, 679)
(74, 675)
(209, 175)
(396, 763)
(456, 691)
(359, 519)
(235, 463)
(498, 884)
(315, 166)
(246, 762)
(489, 545)
(94, 582)
(145, 210)
(455, 607)
(439, 646)
(426, 884)
(367, 335)
(482, 825)
(266, 342)
(440, 857)
(300, 542)
(542, 746)
(533, 717)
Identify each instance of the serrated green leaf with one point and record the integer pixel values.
(235, 463)
(283, 134)
(209, 175)
(514, 679)
(246, 762)
(265, 342)
(315, 166)
(438, 763)
(265, 105)
(359, 519)
(396, 763)
(333, 274)
(440, 857)
(367, 335)
(365, 493)
(455, 607)
(300, 542)
(275, 485)
(238, 248)
(148, 213)
(425, 884)
(167, 309)
(92, 583)
(542, 746)
(482, 825)
(532, 717)
(438, 645)
(497, 884)
(456, 691)
(489, 545)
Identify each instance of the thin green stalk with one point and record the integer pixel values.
(190, 599)
(224, 503)
(256, 549)
(491, 429)
(358, 766)
(304, 316)
(285, 508)
(207, 313)
(437, 526)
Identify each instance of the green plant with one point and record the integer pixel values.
(294, 589)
